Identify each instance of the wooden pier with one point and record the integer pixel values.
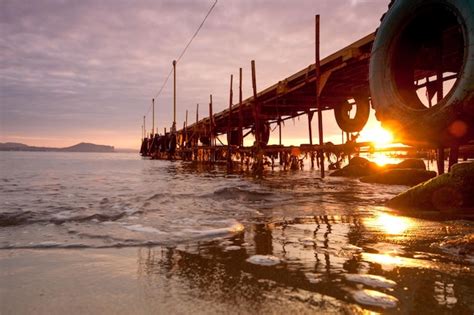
(337, 78)
(339, 82)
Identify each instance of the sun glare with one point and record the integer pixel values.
(379, 136)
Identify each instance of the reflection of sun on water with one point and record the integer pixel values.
(390, 224)
(381, 159)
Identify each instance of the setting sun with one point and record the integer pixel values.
(378, 135)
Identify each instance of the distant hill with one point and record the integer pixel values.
(80, 147)
(88, 147)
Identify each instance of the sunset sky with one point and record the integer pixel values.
(75, 71)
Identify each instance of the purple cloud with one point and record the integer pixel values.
(87, 70)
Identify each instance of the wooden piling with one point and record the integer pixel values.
(453, 156)
(174, 93)
(310, 130)
(318, 103)
(255, 105)
(211, 131)
(153, 113)
(229, 126)
(279, 140)
(197, 114)
(197, 134)
(241, 117)
(258, 167)
(440, 160)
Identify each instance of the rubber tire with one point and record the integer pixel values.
(421, 125)
(233, 137)
(361, 117)
(205, 140)
(172, 144)
(264, 133)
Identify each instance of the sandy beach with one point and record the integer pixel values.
(142, 281)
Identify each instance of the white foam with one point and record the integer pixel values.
(234, 227)
(264, 260)
(313, 277)
(141, 228)
(374, 298)
(371, 280)
(232, 248)
(63, 215)
(226, 243)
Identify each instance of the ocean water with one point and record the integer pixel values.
(290, 235)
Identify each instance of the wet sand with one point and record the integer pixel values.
(143, 281)
(301, 266)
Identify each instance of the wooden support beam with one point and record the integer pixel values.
(440, 160)
(453, 156)
(241, 117)
(197, 132)
(211, 128)
(186, 118)
(279, 139)
(258, 167)
(256, 106)
(153, 113)
(318, 103)
(229, 125)
(174, 96)
(197, 114)
(310, 130)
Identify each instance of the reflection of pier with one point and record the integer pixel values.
(316, 253)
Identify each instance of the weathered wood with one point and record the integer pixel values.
(255, 105)
(211, 130)
(339, 73)
(440, 160)
(229, 126)
(241, 117)
(318, 103)
(174, 92)
(310, 130)
(453, 156)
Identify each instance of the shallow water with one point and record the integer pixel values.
(289, 234)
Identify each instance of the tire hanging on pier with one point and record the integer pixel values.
(143, 148)
(205, 140)
(418, 40)
(233, 137)
(172, 143)
(264, 132)
(343, 119)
